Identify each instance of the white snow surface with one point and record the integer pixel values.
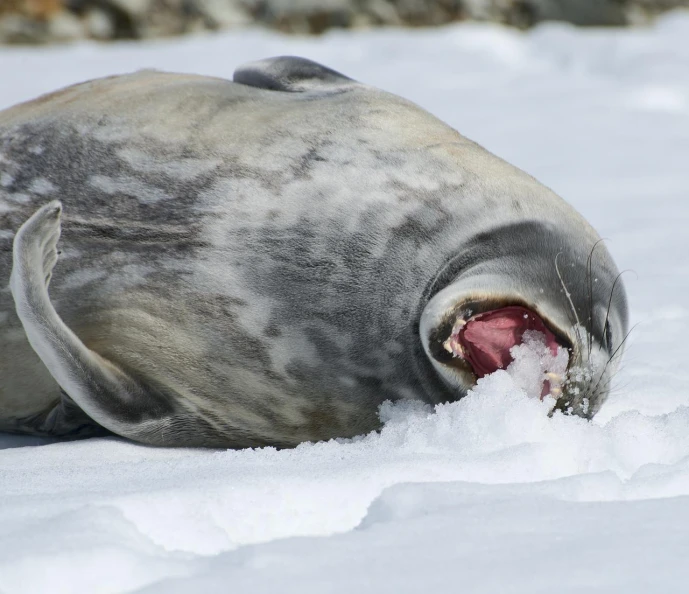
(485, 495)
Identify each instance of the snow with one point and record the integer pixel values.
(486, 495)
(533, 361)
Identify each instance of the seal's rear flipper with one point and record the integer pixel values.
(291, 74)
(104, 392)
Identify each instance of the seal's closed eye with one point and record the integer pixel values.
(290, 74)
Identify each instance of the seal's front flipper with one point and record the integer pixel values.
(291, 74)
(64, 420)
(104, 392)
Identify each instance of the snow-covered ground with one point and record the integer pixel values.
(485, 495)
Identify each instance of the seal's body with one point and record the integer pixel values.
(265, 261)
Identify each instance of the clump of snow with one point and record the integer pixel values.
(534, 363)
(488, 494)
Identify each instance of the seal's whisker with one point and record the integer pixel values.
(577, 325)
(616, 353)
(619, 388)
(607, 310)
(589, 277)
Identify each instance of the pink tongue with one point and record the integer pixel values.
(487, 338)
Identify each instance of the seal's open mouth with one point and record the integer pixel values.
(484, 340)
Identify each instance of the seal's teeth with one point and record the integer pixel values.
(556, 392)
(452, 346)
(554, 378)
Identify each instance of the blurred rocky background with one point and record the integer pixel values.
(47, 21)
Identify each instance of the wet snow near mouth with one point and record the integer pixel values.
(485, 495)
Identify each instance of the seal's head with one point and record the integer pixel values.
(529, 276)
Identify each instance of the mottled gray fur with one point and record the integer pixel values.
(251, 260)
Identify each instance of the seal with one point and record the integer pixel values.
(265, 261)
